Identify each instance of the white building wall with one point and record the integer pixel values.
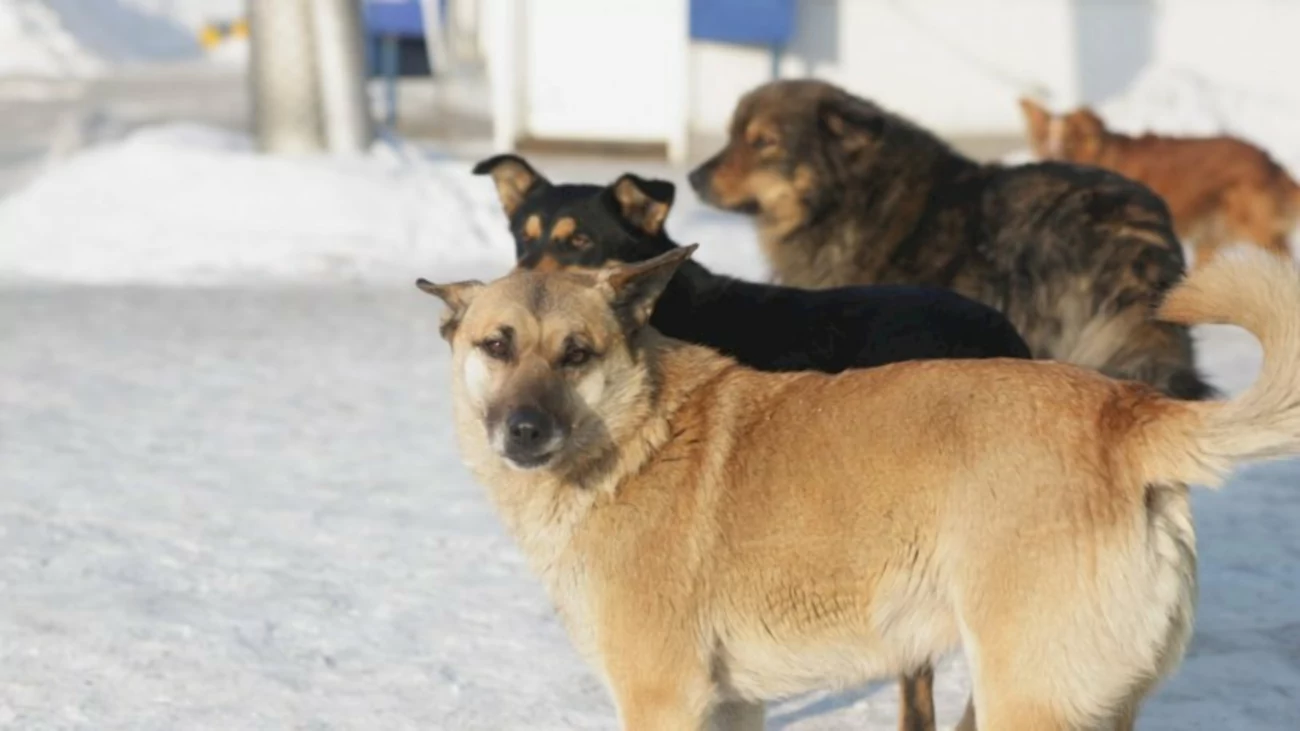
(958, 65)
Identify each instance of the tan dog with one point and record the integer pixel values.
(1220, 190)
(713, 536)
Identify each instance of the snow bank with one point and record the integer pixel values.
(186, 203)
(78, 38)
(34, 42)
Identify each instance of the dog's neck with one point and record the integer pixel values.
(885, 203)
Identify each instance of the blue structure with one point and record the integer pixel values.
(768, 23)
(388, 24)
(751, 22)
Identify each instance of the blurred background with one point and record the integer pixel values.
(229, 492)
(590, 86)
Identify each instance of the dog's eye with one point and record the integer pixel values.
(580, 242)
(497, 348)
(576, 356)
(761, 142)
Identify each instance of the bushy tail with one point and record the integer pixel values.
(1260, 292)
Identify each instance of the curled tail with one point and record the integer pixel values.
(1260, 292)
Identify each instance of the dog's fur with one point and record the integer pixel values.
(1221, 190)
(767, 327)
(713, 536)
(848, 193)
(770, 328)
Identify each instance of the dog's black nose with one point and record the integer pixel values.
(528, 428)
(699, 179)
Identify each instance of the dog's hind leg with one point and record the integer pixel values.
(737, 716)
(967, 722)
(916, 693)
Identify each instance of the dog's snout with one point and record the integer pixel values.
(529, 427)
(699, 178)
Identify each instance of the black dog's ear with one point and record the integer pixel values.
(644, 203)
(456, 295)
(514, 179)
(633, 289)
(854, 121)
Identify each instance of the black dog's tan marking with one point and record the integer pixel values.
(563, 229)
(848, 193)
(533, 227)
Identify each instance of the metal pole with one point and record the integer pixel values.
(286, 115)
(435, 38)
(341, 65)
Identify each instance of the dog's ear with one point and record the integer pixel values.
(632, 289)
(514, 179)
(1086, 123)
(457, 297)
(853, 121)
(1036, 119)
(644, 203)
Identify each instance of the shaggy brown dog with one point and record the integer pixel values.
(715, 536)
(848, 193)
(1220, 190)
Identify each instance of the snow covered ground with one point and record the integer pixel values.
(241, 507)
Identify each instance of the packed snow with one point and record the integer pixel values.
(230, 507)
(181, 202)
(239, 505)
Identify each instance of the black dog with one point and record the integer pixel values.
(766, 327)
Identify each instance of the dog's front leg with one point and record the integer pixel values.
(661, 707)
(737, 716)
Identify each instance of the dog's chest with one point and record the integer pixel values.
(545, 535)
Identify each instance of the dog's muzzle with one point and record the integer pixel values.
(701, 176)
(531, 437)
